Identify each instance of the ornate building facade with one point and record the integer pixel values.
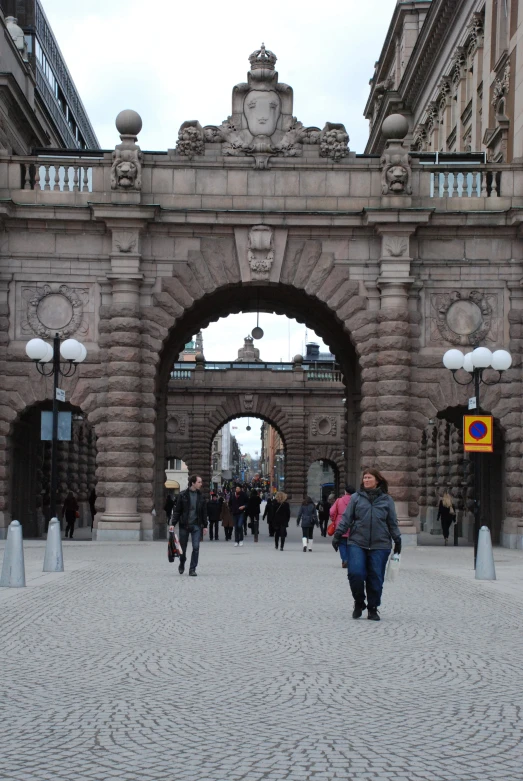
(391, 260)
(453, 69)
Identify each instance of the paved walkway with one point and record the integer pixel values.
(121, 669)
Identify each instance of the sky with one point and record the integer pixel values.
(182, 62)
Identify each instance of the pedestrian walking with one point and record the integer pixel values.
(238, 504)
(308, 519)
(70, 511)
(323, 508)
(227, 521)
(281, 518)
(270, 509)
(213, 516)
(253, 513)
(447, 514)
(370, 519)
(336, 514)
(168, 507)
(190, 512)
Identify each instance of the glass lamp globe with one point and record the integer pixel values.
(36, 349)
(257, 332)
(48, 355)
(70, 350)
(453, 360)
(481, 358)
(467, 363)
(501, 360)
(83, 354)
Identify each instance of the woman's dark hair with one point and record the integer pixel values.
(306, 500)
(350, 489)
(382, 483)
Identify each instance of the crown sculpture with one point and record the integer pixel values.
(261, 124)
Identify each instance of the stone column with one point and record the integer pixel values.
(119, 452)
(512, 422)
(397, 439)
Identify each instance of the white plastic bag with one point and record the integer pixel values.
(393, 567)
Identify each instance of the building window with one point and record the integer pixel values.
(175, 464)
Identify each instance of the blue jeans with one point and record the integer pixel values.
(366, 568)
(238, 527)
(196, 533)
(343, 548)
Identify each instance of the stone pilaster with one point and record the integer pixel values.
(397, 441)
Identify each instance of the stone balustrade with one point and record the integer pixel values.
(217, 182)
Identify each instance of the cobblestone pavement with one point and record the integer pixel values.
(121, 669)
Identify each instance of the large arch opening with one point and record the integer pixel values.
(267, 298)
(31, 467)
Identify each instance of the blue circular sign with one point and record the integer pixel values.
(477, 430)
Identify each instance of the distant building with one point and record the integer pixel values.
(192, 348)
(176, 475)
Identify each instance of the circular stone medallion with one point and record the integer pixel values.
(324, 426)
(55, 311)
(464, 317)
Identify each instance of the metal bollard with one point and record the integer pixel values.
(13, 568)
(485, 569)
(53, 559)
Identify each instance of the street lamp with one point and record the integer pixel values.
(475, 363)
(42, 353)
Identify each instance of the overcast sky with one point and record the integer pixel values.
(182, 62)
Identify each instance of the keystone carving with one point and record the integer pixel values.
(248, 401)
(260, 252)
(50, 311)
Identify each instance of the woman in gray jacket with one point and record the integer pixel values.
(371, 521)
(308, 518)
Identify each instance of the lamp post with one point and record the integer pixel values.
(475, 363)
(42, 353)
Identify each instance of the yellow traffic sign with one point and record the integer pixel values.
(478, 433)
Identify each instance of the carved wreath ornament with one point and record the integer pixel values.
(53, 311)
(324, 426)
(463, 319)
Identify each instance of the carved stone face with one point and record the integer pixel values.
(397, 178)
(126, 173)
(262, 111)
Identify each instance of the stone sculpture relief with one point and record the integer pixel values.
(52, 309)
(177, 424)
(126, 170)
(262, 124)
(324, 426)
(190, 139)
(464, 318)
(501, 89)
(397, 247)
(396, 172)
(124, 241)
(260, 252)
(248, 401)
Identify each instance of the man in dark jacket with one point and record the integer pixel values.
(238, 504)
(190, 512)
(214, 508)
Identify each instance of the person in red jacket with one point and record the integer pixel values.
(336, 514)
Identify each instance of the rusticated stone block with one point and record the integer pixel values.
(125, 354)
(513, 493)
(389, 343)
(515, 316)
(125, 368)
(393, 388)
(125, 310)
(388, 372)
(121, 489)
(349, 309)
(369, 374)
(123, 429)
(396, 328)
(395, 433)
(393, 357)
(117, 399)
(394, 464)
(369, 404)
(393, 418)
(398, 493)
(369, 347)
(114, 459)
(393, 315)
(390, 448)
(121, 474)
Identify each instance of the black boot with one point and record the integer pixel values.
(358, 609)
(373, 614)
